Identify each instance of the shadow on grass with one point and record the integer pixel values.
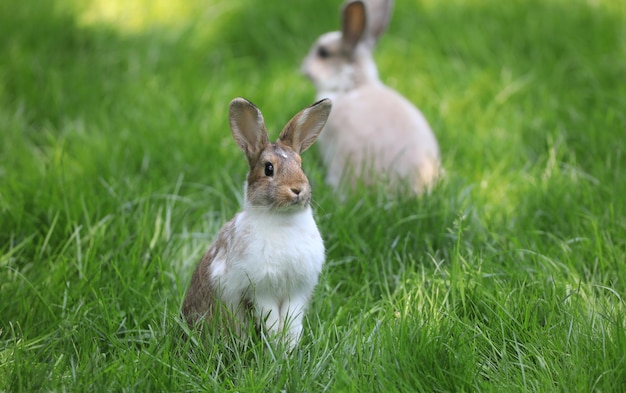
(126, 89)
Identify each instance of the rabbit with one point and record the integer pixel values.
(268, 258)
(373, 132)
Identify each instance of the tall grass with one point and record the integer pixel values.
(117, 169)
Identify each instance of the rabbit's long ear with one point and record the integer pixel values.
(248, 128)
(304, 128)
(378, 16)
(353, 26)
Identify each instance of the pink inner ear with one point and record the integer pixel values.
(354, 23)
(302, 130)
(380, 13)
(248, 128)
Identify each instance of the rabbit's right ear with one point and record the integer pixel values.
(304, 128)
(378, 15)
(248, 128)
(353, 26)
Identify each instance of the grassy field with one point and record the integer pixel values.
(117, 168)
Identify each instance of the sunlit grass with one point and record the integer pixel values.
(142, 15)
(117, 169)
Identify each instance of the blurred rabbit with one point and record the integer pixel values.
(373, 132)
(269, 257)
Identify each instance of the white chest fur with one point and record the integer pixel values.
(279, 254)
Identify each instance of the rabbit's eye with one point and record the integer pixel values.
(323, 52)
(269, 169)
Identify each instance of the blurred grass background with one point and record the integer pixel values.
(117, 168)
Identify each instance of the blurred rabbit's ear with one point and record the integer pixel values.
(248, 128)
(353, 26)
(378, 16)
(304, 128)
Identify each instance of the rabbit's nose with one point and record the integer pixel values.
(296, 191)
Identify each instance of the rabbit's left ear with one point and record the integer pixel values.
(248, 128)
(304, 128)
(353, 25)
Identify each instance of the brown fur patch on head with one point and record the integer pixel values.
(288, 186)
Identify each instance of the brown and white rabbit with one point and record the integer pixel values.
(270, 255)
(373, 130)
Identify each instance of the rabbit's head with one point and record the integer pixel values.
(276, 179)
(340, 61)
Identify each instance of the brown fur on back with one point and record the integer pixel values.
(201, 297)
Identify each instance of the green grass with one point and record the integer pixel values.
(117, 169)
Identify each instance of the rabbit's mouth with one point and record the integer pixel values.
(299, 200)
(296, 196)
(296, 202)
